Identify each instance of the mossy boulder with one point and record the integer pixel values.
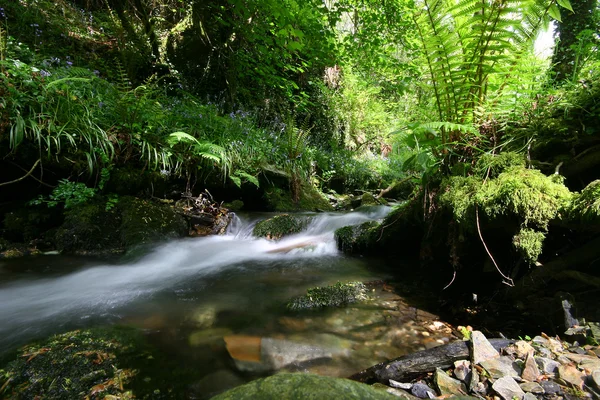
(145, 221)
(77, 364)
(309, 199)
(367, 199)
(89, 228)
(29, 223)
(302, 387)
(356, 239)
(279, 226)
(337, 295)
(586, 206)
(235, 205)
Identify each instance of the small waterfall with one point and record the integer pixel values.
(29, 303)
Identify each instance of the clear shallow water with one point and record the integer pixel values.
(187, 295)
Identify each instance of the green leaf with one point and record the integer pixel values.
(236, 180)
(177, 137)
(554, 12)
(565, 4)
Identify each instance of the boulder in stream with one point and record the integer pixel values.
(304, 386)
(281, 225)
(336, 295)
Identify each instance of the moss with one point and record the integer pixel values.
(310, 199)
(28, 223)
(525, 194)
(88, 227)
(586, 206)
(529, 244)
(287, 386)
(94, 363)
(73, 365)
(144, 221)
(367, 199)
(235, 205)
(337, 295)
(498, 163)
(356, 239)
(279, 226)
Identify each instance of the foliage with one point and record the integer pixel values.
(528, 243)
(67, 192)
(586, 206)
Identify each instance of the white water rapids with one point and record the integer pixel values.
(26, 304)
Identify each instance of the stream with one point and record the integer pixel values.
(187, 295)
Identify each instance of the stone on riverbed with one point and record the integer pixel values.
(508, 389)
(501, 366)
(337, 295)
(279, 226)
(482, 349)
(447, 385)
(304, 386)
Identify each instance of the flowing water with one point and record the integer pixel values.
(188, 294)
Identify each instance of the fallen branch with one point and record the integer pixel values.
(412, 365)
(24, 176)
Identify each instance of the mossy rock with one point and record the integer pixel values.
(356, 239)
(89, 228)
(235, 205)
(340, 294)
(279, 226)
(367, 199)
(73, 365)
(28, 223)
(303, 387)
(310, 199)
(145, 221)
(586, 206)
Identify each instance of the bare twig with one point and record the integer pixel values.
(33, 177)
(452, 281)
(508, 281)
(24, 176)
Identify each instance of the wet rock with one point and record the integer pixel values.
(501, 367)
(547, 365)
(280, 353)
(482, 349)
(356, 239)
(401, 385)
(550, 387)
(207, 336)
(532, 387)
(304, 386)
(447, 385)
(508, 389)
(279, 226)
(530, 371)
(422, 391)
(204, 317)
(336, 295)
(571, 375)
(213, 384)
(462, 370)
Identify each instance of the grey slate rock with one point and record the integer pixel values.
(501, 366)
(530, 371)
(421, 390)
(532, 387)
(596, 378)
(547, 365)
(530, 396)
(482, 349)
(448, 385)
(550, 387)
(508, 389)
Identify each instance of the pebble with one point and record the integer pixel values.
(507, 388)
(482, 349)
(448, 385)
(571, 375)
(501, 366)
(596, 378)
(422, 391)
(530, 372)
(550, 387)
(400, 385)
(462, 370)
(530, 396)
(547, 365)
(532, 387)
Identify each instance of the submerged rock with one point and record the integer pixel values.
(304, 386)
(336, 295)
(96, 363)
